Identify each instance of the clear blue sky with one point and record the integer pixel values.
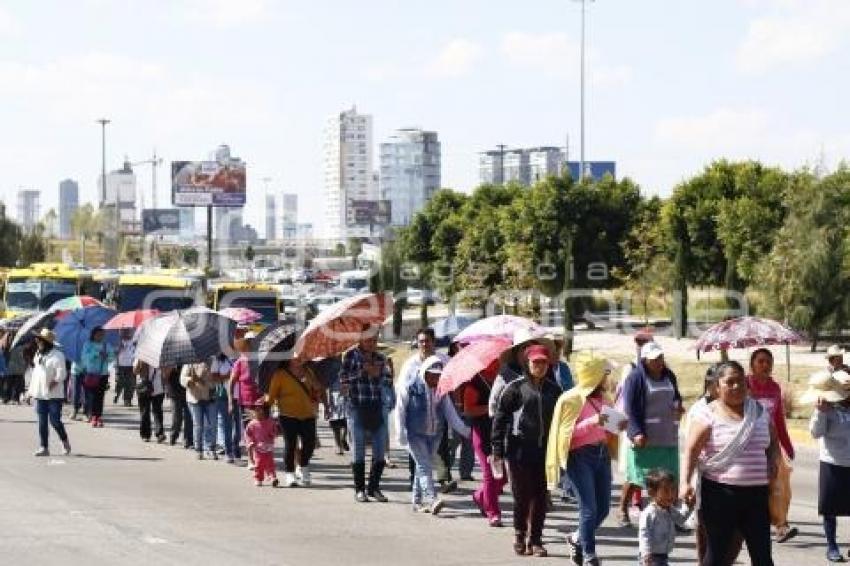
(672, 84)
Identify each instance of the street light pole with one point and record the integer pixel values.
(581, 157)
(103, 122)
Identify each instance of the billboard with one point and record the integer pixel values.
(372, 212)
(161, 221)
(208, 183)
(594, 170)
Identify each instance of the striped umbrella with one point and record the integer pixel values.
(130, 319)
(75, 302)
(241, 315)
(184, 337)
(340, 326)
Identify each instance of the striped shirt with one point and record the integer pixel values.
(749, 468)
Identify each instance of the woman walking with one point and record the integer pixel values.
(295, 390)
(520, 432)
(151, 394)
(735, 443)
(96, 357)
(830, 425)
(580, 444)
(476, 398)
(765, 390)
(223, 403)
(47, 387)
(197, 380)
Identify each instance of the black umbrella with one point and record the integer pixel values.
(274, 344)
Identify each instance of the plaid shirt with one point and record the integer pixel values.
(364, 391)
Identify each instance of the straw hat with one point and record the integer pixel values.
(46, 335)
(834, 351)
(591, 370)
(826, 386)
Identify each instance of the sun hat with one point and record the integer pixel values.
(46, 335)
(835, 351)
(824, 385)
(651, 351)
(591, 370)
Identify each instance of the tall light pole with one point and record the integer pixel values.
(103, 122)
(581, 156)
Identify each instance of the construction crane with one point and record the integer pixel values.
(154, 161)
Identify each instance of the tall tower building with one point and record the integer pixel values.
(271, 217)
(347, 172)
(69, 201)
(410, 172)
(29, 209)
(289, 216)
(123, 183)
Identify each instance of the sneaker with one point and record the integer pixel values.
(437, 506)
(360, 497)
(275, 482)
(289, 480)
(575, 549)
(834, 555)
(66, 448)
(378, 496)
(305, 478)
(43, 451)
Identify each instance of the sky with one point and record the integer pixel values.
(672, 85)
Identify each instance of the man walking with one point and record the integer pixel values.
(124, 382)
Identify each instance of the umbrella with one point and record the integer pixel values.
(470, 361)
(75, 302)
(14, 324)
(73, 329)
(500, 326)
(273, 344)
(32, 325)
(748, 332)
(340, 326)
(184, 337)
(241, 315)
(130, 319)
(745, 332)
(449, 327)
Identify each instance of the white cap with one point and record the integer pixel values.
(651, 351)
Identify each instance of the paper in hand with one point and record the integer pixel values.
(613, 419)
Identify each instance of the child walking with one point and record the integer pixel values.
(658, 521)
(259, 438)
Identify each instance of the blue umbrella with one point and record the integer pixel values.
(73, 329)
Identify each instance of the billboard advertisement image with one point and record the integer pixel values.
(161, 221)
(208, 183)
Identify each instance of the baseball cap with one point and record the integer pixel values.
(651, 351)
(536, 352)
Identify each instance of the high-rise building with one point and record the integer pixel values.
(29, 209)
(271, 216)
(123, 183)
(348, 173)
(69, 201)
(304, 231)
(525, 166)
(410, 172)
(289, 216)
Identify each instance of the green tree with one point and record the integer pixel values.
(86, 224)
(190, 256)
(33, 248)
(10, 235)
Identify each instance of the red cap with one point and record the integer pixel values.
(536, 352)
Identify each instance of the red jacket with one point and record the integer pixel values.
(769, 394)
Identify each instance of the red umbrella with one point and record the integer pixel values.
(470, 361)
(340, 326)
(745, 332)
(130, 319)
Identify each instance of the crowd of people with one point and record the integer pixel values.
(721, 468)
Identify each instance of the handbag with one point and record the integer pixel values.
(91, 381)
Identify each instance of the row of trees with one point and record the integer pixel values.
(779, 236)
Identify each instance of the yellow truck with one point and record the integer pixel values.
(155, 291)
(259, 297)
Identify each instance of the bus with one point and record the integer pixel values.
(154, 291)
(37, 287)
(260, 297)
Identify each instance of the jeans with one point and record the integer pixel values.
(729, 510)
(151, 404)
(589, 469)
(203, 418)
(379, 438)
(528, 484)
(293, 430)
(50, 409)
(225, 425)
(422, 449)
(487, 496)
(94, 397)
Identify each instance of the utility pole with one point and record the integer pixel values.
(582, 157)
(103, 122)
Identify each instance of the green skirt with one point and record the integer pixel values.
(640, 461)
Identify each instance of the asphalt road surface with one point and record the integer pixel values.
(117, 500)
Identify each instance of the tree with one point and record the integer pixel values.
(86, 224)
(10, 236)
(33, 247)
(190, 256)
(355, 247)
(50, 220)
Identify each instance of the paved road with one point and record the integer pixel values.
(117, 500)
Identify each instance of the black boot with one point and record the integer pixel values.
(337, 431)
(359, 471)
(374, 489)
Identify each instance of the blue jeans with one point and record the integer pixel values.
(589, 470)
(203, 421)
(379, 438)
(225, 425)
(50, 409)
(422, 449)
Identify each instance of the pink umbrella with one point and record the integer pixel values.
(241, 315)
(470, 361)
(130, 319)
(745, 332)
(340, 326)
(500, 326)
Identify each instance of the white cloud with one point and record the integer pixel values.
(455, 59)
(225, 14)
(797, 32)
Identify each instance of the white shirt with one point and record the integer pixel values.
(126, 353)
(48, 367)
(409, 372)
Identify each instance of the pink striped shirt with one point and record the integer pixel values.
(586, 431)
(749, 468)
